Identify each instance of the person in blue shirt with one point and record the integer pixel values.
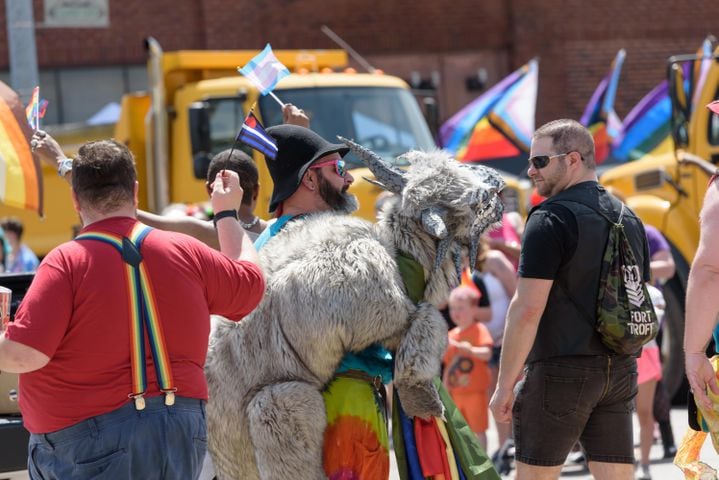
(19, 258)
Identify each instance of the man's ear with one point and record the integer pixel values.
(255, 192)
(309, 180)
(575, 158)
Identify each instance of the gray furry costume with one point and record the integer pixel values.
(333, 286)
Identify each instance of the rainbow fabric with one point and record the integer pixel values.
(356, 442)
(143, 311)
(499, 123)
(599, 115)
(20, 173)
(36, 109)
(646, 128)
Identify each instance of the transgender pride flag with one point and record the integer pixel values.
(499, 123)
(264, 70)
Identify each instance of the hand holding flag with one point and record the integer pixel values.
(264, 71)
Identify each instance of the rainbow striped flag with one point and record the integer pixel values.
(599, 115)
(36, 109)
(647, 127)
(20, 173)
(499, 123)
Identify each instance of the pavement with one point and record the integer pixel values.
(661, 469)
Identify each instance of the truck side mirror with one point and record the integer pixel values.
(200, 140)
(680, 105)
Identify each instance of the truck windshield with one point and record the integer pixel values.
(388, 121)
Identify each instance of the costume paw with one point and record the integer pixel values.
(420, 400)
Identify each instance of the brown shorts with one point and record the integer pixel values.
(565, 399)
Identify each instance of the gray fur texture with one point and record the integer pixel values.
(333, 286)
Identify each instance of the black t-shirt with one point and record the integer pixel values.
(564, 241)
(549, 241)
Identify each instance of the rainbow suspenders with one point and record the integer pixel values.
(143, 315)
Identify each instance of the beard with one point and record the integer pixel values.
(338, 200)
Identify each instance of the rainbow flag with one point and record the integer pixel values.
(36, 109)
(599, 115)
(647, 127)
(20, 173)
(499, 123)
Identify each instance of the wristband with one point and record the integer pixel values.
(64, 166)
(223, 214)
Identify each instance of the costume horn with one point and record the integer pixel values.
(433, 222)
(391, 178)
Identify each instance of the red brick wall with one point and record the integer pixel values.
(574, 39)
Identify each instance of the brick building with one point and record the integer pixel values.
(84, 68)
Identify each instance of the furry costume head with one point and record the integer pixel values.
(455, 203)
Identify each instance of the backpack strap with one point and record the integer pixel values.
(143, 314)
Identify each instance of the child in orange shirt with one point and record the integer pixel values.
(466, 373)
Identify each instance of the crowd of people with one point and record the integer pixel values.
(519, 343)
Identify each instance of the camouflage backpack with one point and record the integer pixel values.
(626, 319)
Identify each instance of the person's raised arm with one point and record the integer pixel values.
(46, 148)
(226, 195)
(202, 230)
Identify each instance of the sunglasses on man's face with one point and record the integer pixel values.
(541, 161)
(340, 166)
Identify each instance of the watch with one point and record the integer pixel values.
(64, 166)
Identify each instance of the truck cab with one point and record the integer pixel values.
(667, 190)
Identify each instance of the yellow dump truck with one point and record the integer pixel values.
(667, 191)
(194, 108)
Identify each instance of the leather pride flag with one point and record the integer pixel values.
(20, 173)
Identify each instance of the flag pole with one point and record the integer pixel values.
(277, 99)
(37, 110)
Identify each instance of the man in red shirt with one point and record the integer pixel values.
(122, 314)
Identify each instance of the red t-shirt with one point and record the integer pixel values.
(467, 373)
(76, 312)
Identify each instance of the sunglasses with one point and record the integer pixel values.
(541, 161)
(340, 166)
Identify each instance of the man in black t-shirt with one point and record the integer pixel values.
(574, 387)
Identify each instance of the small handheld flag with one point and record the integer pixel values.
(36, 109)
(264, 71)
(253, 134)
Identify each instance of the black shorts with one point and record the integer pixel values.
(565, 399)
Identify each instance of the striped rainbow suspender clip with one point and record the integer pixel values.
(143, 315)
